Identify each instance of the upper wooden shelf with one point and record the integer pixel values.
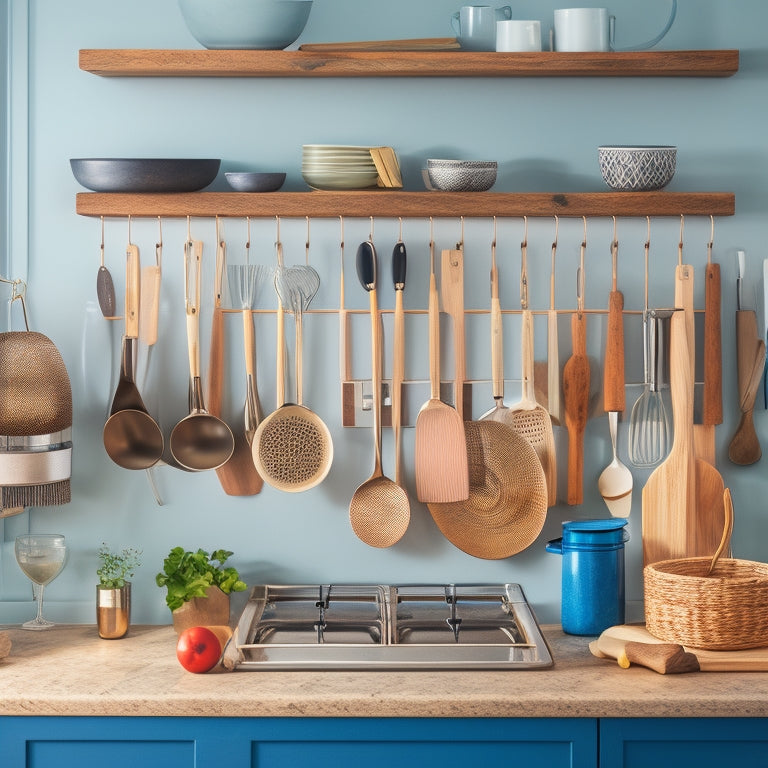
(387, 204)
(210, 63)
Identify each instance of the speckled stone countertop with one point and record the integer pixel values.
(70, 671)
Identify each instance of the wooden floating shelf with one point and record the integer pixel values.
(387, 203)
(230, 63)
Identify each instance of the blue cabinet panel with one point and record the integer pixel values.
(675, 743)
(43, 753)
(129, 742)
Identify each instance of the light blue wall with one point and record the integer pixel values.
(543, 132)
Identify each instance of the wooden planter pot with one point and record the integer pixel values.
(209, 611)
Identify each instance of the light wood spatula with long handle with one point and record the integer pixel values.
(440, 451)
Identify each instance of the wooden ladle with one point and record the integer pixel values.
(379, 510)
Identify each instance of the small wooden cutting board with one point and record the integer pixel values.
(611, 642)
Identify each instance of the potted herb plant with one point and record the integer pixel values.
(113, 592)
(198, 587)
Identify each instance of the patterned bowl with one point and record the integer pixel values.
(637, 168)
(461, 175)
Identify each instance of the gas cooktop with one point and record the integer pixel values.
(410, 626)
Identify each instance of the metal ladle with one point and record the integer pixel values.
(132, 438)
(200, 440)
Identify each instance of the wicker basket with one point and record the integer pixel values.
(727, 610)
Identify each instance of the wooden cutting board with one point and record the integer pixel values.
(612, 640)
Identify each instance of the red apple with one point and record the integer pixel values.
(198, 649)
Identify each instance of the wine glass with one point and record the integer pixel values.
(42, 557)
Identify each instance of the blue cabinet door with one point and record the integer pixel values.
(139, 742)
(675, 743)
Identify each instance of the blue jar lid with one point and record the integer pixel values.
(607, 532)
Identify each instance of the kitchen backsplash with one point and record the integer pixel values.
(543, 131)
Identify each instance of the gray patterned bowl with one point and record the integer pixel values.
(637, 168)
(461, 175)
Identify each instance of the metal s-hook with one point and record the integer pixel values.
(247, 239)
(646, 252)
(711, 242)
(580, 279)
(460, 244)
(306, 244)
(370, 233)
(431, 245)
(101, 249)
(680, 244)
(400, 230)
(159, 243)
(524, 266)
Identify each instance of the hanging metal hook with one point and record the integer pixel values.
(159, 243)
(493, 242)
(247, 239)
(306, 245)
(370, 234)
(711, 242)
(431, 245)
(189, 230)
(460, 244)
(400, 231)
(680, 244)
(524, 266)
(101, 249)
(129, 227)
(580, 279)
(647, 249)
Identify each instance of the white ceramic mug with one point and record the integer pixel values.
(593, 29)
(518, 35)
(583, 29)
(475, 26)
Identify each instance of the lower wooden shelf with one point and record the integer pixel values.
(388, 203)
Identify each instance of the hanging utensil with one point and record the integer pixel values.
(708, 483)
(507, 504)
(398, 353)
(750, 356)
(452, 298)
(649, 426)
(615, 482)
(576, 380)
(244, 282)
(237, 476)
(379, 511)
(712, 410)
(292, 448)
(499, 412)
(526, 416)
(132, 438)
(440, 453)
(105, 287)
(200, 441)
(554, 401)
(669, 494)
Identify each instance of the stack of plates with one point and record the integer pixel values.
(332, 166)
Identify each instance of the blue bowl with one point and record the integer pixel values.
(246, 24)
(124, 174)
(255, 182)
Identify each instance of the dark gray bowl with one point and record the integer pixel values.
(141, 175)
(255, 182)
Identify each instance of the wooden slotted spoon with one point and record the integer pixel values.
(441, 464)
(379, 511)
(527, 417)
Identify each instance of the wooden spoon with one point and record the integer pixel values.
(379, 510)
(576, 401)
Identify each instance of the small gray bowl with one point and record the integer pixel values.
(255, 182)
(637, 168)
(461, 175)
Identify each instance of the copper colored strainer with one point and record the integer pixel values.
(507, 502)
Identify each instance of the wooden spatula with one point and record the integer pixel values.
(669, 495)
(440, 451)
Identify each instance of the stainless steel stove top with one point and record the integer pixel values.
(411, 626)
